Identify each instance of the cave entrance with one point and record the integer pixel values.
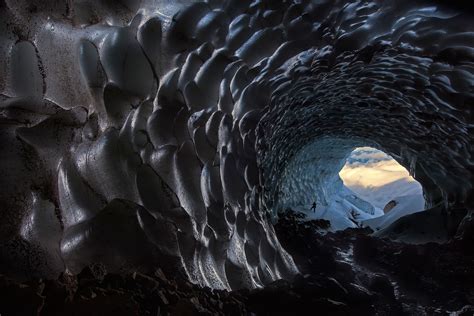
(379, 179)
(351, 185)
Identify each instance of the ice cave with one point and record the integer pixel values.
(185, 157)
(349, 186)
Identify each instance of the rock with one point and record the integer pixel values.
(163, 298)
(466, 311)
(92, 272)
(19, 299)
(382, 285)
(161, 276)
(185, 308)
(389, 206)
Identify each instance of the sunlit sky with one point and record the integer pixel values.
(367, 166)
(377, 177)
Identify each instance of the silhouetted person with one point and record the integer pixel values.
(313, 207)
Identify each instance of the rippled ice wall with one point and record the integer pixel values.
(137, 132)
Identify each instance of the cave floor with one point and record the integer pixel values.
(343, 273)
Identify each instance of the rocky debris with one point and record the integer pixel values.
(115, 294)
(20, 299)
(425, 271)
(343, 273)
(395, 278)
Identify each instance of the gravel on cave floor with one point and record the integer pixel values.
(342, 273)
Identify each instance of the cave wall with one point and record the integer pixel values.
(313, 174)
(137, 132)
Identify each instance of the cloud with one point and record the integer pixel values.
(366, 156)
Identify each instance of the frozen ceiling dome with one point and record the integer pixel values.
(136, 133)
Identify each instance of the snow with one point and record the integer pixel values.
(343, 210)
(406, 205)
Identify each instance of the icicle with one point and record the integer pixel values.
(412, 166)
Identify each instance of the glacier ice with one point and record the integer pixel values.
(136, 132)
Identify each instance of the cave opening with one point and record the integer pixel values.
(376, 177)
(348, 183)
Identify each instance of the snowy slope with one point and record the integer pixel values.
(343, 210)
(380, 196)
(406, 205)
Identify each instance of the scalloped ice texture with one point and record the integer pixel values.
(155, 130)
